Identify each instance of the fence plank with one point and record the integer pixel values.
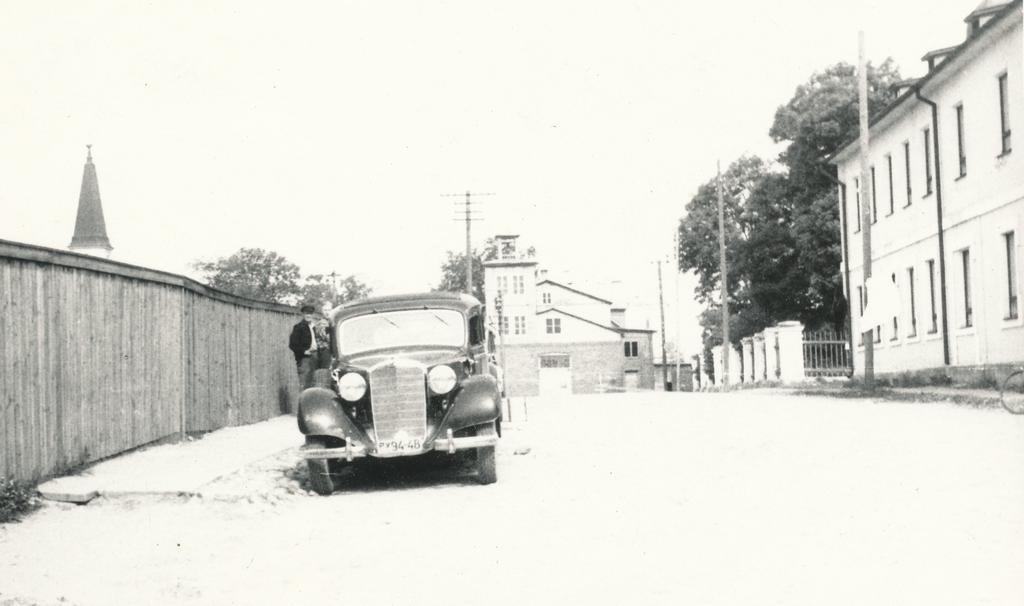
(99, 357)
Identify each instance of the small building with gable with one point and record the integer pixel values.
(557, 338)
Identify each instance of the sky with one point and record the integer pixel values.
(330, 132)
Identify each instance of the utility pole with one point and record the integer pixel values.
(865, 209)
(468, 214)
(664, 361)
(724, 286)
(678, 315)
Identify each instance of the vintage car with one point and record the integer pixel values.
(411, 375)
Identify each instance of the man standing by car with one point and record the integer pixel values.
(303, 344)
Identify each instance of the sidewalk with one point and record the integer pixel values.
(179, 468)
(191, 467)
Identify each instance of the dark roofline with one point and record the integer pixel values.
(939, 52)
(581, 319)
(982, 12)
(571, 289)
(1003, 12)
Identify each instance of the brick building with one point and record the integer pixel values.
(557, 338)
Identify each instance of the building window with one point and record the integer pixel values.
(913, 307)
(632, 349)
(856, 190)
(965, 264)
(906, 166)
(888, 161)
(1011, 275)
(927, 162)
(503, 284)
(860, 300)
(545, 298)
(518, 285)
(960, 139)
(1004, 114)
(895, 317)
(874, 198)
(931, 296)
(878, 334)
(553, 326)
(520, 325)
(503, 327)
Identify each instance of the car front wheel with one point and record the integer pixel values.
(320, 478)
(486, 463)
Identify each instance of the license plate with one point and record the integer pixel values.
(399, 446)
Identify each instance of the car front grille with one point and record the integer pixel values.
(399, 401)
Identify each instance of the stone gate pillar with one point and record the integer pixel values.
(759, 367)
(791, 351)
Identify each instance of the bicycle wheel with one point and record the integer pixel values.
(1011, 392)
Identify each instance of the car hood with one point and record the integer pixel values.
(427, 357)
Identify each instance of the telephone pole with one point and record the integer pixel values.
(724, 290)
(664, 361)
(466, 212)
(678, 315)
(865, 209)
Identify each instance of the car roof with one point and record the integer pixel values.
(429, 300)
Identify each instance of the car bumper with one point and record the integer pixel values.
(447, 444)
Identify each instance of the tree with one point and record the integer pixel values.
(319, 289)
(821, 117)
(264, 275)
(253, 273)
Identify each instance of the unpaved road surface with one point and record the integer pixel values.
(742, 498)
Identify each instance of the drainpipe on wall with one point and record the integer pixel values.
(846, 259)
(938, 212)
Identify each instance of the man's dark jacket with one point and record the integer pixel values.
(301, 340)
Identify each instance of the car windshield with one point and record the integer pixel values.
(411, 327)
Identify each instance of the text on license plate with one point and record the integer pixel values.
(399, 446)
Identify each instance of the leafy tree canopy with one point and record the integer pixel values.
(264, 275)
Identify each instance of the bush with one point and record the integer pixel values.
(16, 499)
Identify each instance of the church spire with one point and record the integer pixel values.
(90, 229)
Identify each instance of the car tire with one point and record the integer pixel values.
(322, 378)
(486, 462)
(321, 479)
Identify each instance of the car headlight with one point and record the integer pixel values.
(351, 386)
(441, 379)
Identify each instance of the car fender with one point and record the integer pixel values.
(321, 414)
(476, 403)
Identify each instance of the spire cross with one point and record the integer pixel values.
(88, 147)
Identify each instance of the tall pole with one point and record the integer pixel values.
(677, 314)
(865, 209)
(724, 270)
(664, 360)
(469, 251)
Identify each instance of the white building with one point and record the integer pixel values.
(557, 338)
(948, 218)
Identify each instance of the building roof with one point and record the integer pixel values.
(615, 328)
(570, 289)
(987, 7)
(90, 228)
(999, 10)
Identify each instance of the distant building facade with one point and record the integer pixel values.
(90, 235)
(947, 220)
(557, 338)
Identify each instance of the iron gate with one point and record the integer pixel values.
(826, 353)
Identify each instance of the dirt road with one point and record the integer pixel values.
(630, 498)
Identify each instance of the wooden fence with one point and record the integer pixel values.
(99, 357)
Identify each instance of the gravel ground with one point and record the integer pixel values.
(739, 498)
